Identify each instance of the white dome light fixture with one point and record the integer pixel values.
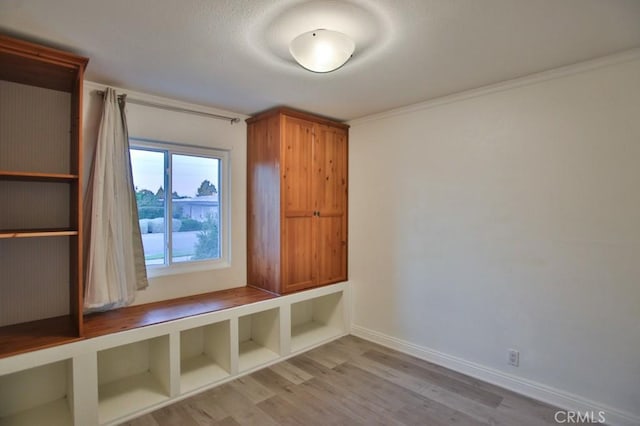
(322, 50)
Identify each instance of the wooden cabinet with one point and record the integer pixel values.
(40, 196)
(297, 201)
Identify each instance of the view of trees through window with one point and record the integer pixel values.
(194, 205)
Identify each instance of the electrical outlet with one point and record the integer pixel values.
(514, 357)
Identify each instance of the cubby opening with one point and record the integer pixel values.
(316, 320)
(259, 338)
(205, 355)
(38, 396)
(35, 279)
(34, 205)
(35, 128)
(132, 377)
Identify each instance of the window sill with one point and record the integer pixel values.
(154, 271)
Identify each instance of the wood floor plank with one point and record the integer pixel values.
(203, 408)
(528, 407)
(354, 346)
(146, 420)
(291, 372)
(446, 372)
(434, 414)
(227, 421)
(328, 356)
(286, 414)
(444, 381)
(175, 414)
(393, 395)
(320, 403)
(240, 408)
(356, 405)
(350, 382)
(471, 408)
(272, 381)
(354, 382)
(252, 389)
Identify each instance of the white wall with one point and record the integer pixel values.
(509, 219)
(178, 127)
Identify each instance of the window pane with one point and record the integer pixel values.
(196, 208)
(148, 179)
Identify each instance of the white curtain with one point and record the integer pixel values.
(114, 264)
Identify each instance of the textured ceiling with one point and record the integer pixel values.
(233, 53)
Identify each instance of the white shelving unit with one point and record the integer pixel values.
(259, 339)
(110, 379)
(37, 396)
(205, 355)
(132, 376)
(316, 320)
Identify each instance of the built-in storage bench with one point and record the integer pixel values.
(140, 358)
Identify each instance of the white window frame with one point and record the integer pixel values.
(224, 261)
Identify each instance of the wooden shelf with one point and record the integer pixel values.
(102, 323)
(29, 336)
(37, 177)
(36, 233)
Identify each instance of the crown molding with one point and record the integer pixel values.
(531, 79)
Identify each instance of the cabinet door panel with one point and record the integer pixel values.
(297, 261)
(331, 249)
(296, 173)
(330, 189)
(330, 170)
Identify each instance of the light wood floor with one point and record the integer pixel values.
(354, 382)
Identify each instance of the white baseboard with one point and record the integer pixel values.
(559, 398)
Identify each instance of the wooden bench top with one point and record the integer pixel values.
(25, 337)
(130, 317)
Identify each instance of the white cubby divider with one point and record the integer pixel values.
(110, 379)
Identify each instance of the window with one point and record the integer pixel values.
(182, 200)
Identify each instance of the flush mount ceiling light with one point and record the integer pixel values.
(322, 50)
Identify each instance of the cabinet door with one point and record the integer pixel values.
(330, 201)
(297, 205)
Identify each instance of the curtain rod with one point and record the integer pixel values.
(231, 120)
